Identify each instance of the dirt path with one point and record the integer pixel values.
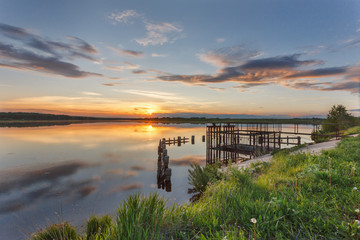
(313, 149)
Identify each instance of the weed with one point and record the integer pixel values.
(98, 226)
(64, 231)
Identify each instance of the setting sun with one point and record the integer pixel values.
(150, 111)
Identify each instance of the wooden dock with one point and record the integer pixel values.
(233, 141)
(225, 141)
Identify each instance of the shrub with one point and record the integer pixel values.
(98, 226)
(64, 231)
(199, 177)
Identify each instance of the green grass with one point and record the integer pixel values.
(99, 227)
(64, 231)
(352, 130)
(297, 196)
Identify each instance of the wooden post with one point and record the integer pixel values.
(192, 139)
(203, 138)
(179, 141)
(166, 161)
(299, 140)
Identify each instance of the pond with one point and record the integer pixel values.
(66, 173)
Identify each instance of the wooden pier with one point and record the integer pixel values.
(176, 141)
(234, 141)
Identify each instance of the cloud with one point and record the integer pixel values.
(285, 70)
(217, 89)
(279, 62)
(156, 33)
(228, 56)
(320, 72)
(124, 16)
(220, 40)
(111, 84)
(139, 72)
(153, 94)
(129, 53)
(25, 60)
(91, 93)
(76, 47)
(35, 53)
(158, 55)
(121, 68)
(160, 33)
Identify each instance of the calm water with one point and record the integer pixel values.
(50, 174)
(66, 173)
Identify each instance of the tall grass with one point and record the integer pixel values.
(99, 227)
(64, 231)
(140, 217)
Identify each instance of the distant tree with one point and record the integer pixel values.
(338, 119)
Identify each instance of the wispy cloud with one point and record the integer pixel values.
(157, 33)
(320, 72)
(35, 53)
(112, 84)
(125, 66)
(153, 94)
(129, 53)
(124, 16)
(158, 55)
(91, 93)
(160, 33)
(139, 72)
(228, 56)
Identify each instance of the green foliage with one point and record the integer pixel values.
(140, 217)
(338, 119)
(64, 231)
(200, 177)
(97, 227)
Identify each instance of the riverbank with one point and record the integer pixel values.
(294, 196)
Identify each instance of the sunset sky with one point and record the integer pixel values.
(143, 58)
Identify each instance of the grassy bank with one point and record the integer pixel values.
(297, 196)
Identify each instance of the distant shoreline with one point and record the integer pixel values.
(38, 119)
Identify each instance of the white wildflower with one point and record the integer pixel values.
(253, 220)
(357, 222)
(357, 210)
(355, 188)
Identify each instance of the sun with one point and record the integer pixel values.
(150, 111)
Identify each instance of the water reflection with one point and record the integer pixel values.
(78, 170)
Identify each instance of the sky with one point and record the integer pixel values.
(166, 58)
